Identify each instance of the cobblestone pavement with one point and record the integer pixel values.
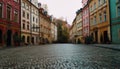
(59, 56)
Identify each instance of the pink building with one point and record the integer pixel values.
(86, 24)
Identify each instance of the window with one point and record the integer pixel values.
(1, 10)
(8, 12)
(118, 10)
(94, 20)
(27, 7)
(91, 21)
(104, 1)
(33, 18)
(15, 16)
(105, 16)
(23, 4)
(99, 2)
(23, 26)
(23, 14)
(94, 5)
(23, 38)
(28, 39)
(100, 17)
(28, 27)
(27, 15)
(36, 20)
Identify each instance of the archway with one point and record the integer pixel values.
(9, 38)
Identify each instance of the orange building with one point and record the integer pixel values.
(99, 21)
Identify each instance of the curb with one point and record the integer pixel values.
(107, 47)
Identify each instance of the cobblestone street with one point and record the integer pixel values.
(59, 56)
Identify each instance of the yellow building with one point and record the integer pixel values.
(79, 30)
(73, 30)
(45, 27)
(99, 21)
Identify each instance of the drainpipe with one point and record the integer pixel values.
(110, 20)
(20, 21)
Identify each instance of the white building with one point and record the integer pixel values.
(25, 22)
(35, 24)
(30, 21)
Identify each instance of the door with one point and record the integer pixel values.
(9, 38)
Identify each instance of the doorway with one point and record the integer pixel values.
(96, 36)
(106, 39)
(0, 36)
(9, 38)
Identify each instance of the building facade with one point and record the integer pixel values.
(29, 22)
(85, 19)
(99, 21)
(9, 22)
(35, 29)
(53, 31)
(25, 22)
(45, 27)
(115, 20)
(73, 31)
(79, 26)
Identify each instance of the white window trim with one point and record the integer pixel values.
(2, 9)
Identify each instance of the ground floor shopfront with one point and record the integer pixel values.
(9, 35)
(100, 33)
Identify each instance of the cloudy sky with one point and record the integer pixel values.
(63, 8)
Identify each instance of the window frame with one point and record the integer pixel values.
(15, 11)
(2, 9)
(10, 11)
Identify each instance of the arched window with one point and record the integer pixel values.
(28, 39)
(23, 38)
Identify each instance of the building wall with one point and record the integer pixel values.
(25, 21)
(79, 27)
(86, 21)
(115, 20)
(99, 21)
(9, 27)
(45, 28)
(29, 22)
(35, 24)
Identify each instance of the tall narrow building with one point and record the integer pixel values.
(29, 22)
(85, 19)
(99, 21)
(9, 22)
(114, 6)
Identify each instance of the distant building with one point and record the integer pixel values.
(9, 22)
(73, 31)
(54, 30)
(45, 27)
(79, 26)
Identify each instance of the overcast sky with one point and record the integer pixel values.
(63, 8)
